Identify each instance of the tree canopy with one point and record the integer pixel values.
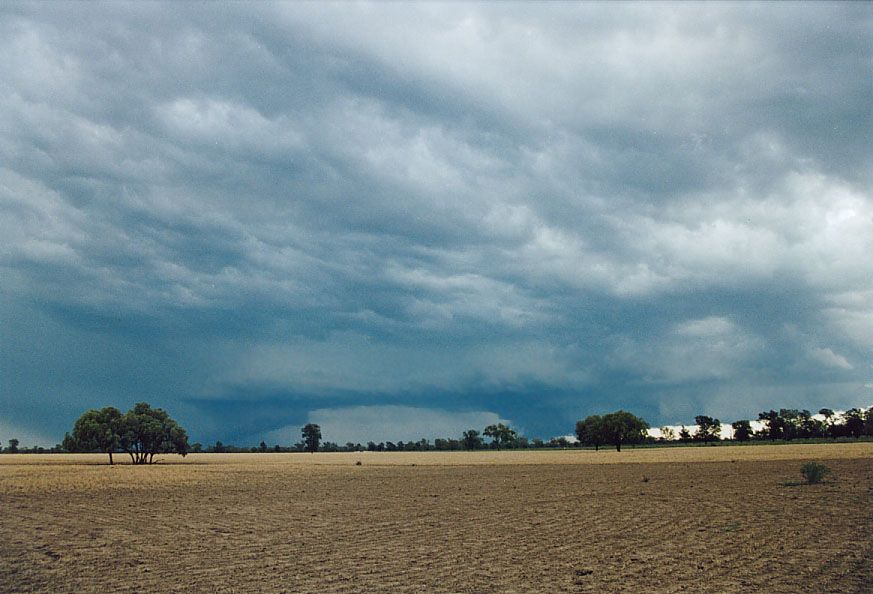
(142, 432)
(589, 431)
(311, 437)
(145, 431)
(97, 430)
(500, 434)
(623, 427)
(708, 428)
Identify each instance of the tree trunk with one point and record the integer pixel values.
(618, 446)
(110, 457)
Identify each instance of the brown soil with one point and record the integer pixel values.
(456, 522)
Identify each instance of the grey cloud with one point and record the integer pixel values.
(527, 207)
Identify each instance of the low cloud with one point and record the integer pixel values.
(360, 424)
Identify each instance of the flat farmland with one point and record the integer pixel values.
(692, 519)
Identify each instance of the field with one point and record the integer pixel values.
(691, 519)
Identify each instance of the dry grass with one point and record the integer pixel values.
(707, 520)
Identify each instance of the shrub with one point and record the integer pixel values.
(814, 472)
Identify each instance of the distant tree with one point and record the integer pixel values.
(854, 422)
(536, 442)
(311, 437)
(742, 430)
(69, 444)
(145, 431)
(774, 424)
(500, 434)
(829, 418)
(708, 429)
(218, 448)
(13, 446)
(97, 430)
(589, 431)
(623, 427)
(559, 442)
(262, 447)
(471, 440)
(667, 434)
(277, 448)
(196, 447)
(684, 435)
(868, 422)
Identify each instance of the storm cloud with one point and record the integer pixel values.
(259, 215)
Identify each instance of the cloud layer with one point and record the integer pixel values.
(249, 213)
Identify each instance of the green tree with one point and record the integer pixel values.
(471, 440)
(684, 435)
(623, 427)
(13, 446)
(774, 424)
(708, 428)
(829, 418)
(500, 434)
(742, 430)
(97, 430)
(589, 431)
(262, 447)
(311, 437)
(667, 434)
(854, 422)
(145, 431)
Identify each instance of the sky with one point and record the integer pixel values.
(407, 220)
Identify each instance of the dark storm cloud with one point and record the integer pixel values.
(256, 215)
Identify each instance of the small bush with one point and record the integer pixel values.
(814, 472)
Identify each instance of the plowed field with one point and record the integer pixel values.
(725, 519)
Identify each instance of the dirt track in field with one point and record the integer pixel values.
(456, 522)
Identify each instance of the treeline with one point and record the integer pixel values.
(144, 432)
(786, 424)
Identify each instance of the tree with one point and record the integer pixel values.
(868, 421)
(471, 440)
(145, 431)
(311, 437)
(13, 446)
(708, 428)
(623, 427)
(774, 424)
(854, 422)
(589, 431)
(742, 430)
(829, 416)
(684, 435)
(500, 434)
(667, 434)
(97, 430)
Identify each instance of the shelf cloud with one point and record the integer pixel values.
(254, 215)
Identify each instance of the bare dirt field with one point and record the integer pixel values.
(695, 519)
